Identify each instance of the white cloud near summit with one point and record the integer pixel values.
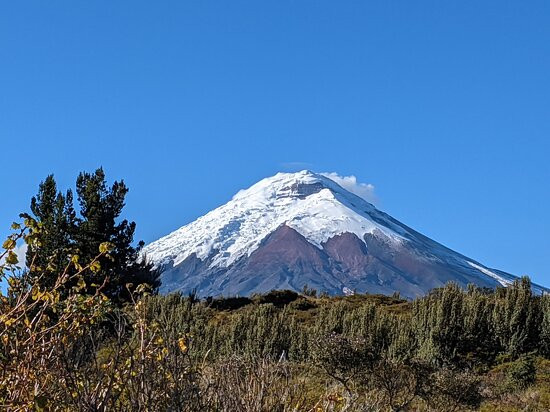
(364, 190)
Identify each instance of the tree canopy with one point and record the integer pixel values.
(67, 236)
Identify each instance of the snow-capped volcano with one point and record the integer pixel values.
(313, 205)
(303, 228)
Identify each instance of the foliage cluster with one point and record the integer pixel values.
(67, 235)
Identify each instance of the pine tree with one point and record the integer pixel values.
(64, 235)
(56, 214)
(100, 207)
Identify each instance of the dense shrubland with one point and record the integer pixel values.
(472, 329)
(77, 332)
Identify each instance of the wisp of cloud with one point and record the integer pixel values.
(363, 190)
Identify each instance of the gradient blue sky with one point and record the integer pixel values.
(443, 106)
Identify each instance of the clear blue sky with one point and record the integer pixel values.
(443, 106)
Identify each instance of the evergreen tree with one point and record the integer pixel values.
(100, 207)
(65, 235)
(56, 214)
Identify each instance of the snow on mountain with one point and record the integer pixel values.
(312, 204)
(500, 279)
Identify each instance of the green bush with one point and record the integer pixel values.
(278, 298)
(521, 373)
(231, 303)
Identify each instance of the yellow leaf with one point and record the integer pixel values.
(80, 284)
(35, 293)
(95, 267)
(8, 244)
(12, 259)
(106, 247)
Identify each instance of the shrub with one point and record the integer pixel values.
(236, 384)
(521, 373)
(81, 351)
(399, 383)
(278, 298)
(302, 304)
(346, 360)
(455, 391)
(231, 303)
